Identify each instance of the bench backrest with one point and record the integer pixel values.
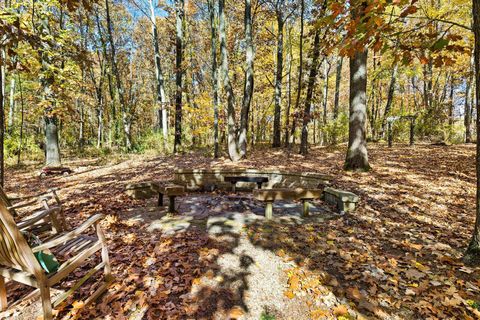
(14, 249)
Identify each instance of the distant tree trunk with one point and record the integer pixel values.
(357, 156)
(232, 141)
(473, 250)
(160, 87)
(289, 84)
(308, 100)
(213, 30)
(81, 124)
(338, 80)
(118, 80)
(179, 17)
(326, 73)
(468, 106)
(391, 91)
(278, 81)
(451, 104)
(11, 112)
(248, 86)
(22, 104)
(300, 70)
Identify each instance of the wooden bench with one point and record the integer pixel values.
(344, 200)
(142, 190)
(234, 179)
(271, 195)
(171, 191)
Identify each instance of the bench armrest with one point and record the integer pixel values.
(48, 212)
(93, 220)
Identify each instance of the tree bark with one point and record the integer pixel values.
(474, 246)
(118, 81)
(391, 91)
(22, 104)
(232, 142)
(213, 43)
(338, 80)
(357, 156)
(300, 71)
(289, 86)
(179, 17)
(248, 86)
(160, 87)
(11, 112)
(468, 105)
(278, 81)
(310, 87)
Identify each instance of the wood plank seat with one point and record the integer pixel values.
(171, 191)
(234, 179)
(299, 194)
(18, 262)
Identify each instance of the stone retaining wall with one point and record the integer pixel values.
(204, 179)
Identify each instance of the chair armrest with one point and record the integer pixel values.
(38, 217)
(37, 195)
(70, 235)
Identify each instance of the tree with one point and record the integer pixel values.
(473, 251)
(161, 99)
(213, 44)
(357, 155)
(248, 86)
(311, 84)
(179, 18)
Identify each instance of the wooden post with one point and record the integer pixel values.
(390, 134)
(412, 131)
(3, 295)
(171, 204)
(306, 207)
(160, 199)
(269, 210)
(46, 303)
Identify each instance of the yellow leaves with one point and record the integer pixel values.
(294, 283)
(236, 312)
(289, 294)
(340, 310)
(319, 313)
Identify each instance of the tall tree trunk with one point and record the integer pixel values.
(474, 246)
(248, 86)
(289, 86)
(451, 105)
(118, 81)
(22, 104)
(179, 17)
(278, 82)
(300, 70)
(391, 91)
(308, 100)
(11, 112)
(213, 43)
(232, 142)
(338, 80)
(357, 156)
(160, 87)
(82, 123)
(468, 105)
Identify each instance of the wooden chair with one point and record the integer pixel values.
(53, 223)
(18, 263)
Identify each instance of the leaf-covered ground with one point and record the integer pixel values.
(398, 256)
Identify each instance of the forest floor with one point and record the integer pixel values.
(398, 256)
